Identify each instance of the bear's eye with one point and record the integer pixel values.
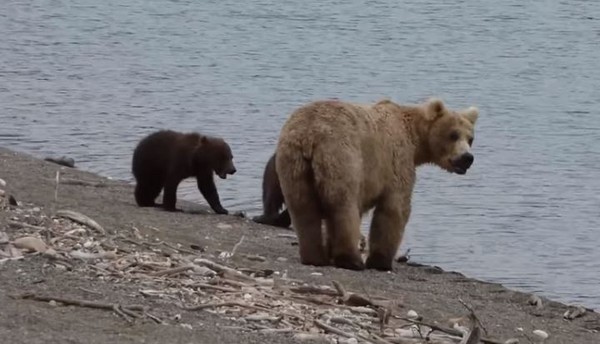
(470, 141)
(454, 136)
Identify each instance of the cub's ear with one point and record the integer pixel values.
(471, 114)
(434, 108)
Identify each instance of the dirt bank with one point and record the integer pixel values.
(431, 292)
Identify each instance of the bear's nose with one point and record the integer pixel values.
(233, 170)
(467, 160)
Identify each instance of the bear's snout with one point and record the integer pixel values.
(462, 163)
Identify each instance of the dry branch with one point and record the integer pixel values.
(82, 219)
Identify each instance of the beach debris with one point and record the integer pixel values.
(63, 161)
(12, 201)
(2, 183)
(403, 258)
(575, 312)
(256, 299)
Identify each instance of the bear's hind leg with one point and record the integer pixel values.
(343, 236)
(385, 234)
(146, 193)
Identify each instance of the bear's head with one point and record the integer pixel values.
(214, 154)
(450, 136)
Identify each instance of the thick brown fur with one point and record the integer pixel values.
(164, 158)
(337, 160)
(272, 199)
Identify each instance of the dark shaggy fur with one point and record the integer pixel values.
(164, 158)
(272, 198)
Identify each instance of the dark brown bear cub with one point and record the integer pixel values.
(164, 158)
(272, 199)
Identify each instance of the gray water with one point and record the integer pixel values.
(88, 79)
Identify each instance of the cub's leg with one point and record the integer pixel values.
(208, 189)
(170, 193)
(146, 192)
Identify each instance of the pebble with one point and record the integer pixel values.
(281, 259)
(187, 326)
(412, 314)
(222, 225)
(52, 303)
(316, 274)
(2, 182)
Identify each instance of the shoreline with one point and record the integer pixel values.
(430, 291)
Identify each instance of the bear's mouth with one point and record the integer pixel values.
(222, 175)
(459, 170)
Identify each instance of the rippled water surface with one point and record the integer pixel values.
(87, 79)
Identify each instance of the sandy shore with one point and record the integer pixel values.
(434, 294)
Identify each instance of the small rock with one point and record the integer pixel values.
(576, 312)
(311, 338)
(50, 252)
(186, 326)
(348, 341)
(541, 334)
(412, 314)
(177, 317)
(3, 238)
(512, 341)
(281, 259)
(36, 209)
(204, 271)
(31, 244)
(2, 182)
(316, 274)
(52, 303)
(12, 201)
(222, 225)
(63, 161)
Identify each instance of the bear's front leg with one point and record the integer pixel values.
(208, 189)
(170, 194)
(387, 228)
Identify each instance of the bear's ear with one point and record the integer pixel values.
(471, 114)
(204, 140)
(434, 108)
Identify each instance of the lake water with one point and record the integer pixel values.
(88, 79)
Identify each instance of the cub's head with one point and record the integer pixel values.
(214, 155)
(450, 136)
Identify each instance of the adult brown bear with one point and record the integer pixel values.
(164, 158)
(337, 160)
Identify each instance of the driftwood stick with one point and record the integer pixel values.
(473, 316)
(223, 269)
(311, 289)
(448, 330)
(115, 307)
(214, 287)
(82, 219)
(172, 271)
(332, 329)
(224, 304)
(235, 247)
(27, 225)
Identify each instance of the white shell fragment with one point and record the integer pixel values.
(541, 334)
(412, 314)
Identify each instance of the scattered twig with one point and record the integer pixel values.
(172, 271)
(447, 330)
(473, 315)
(332, 329)
(223, 269)
(115, 307)
(223, 304)
(82, 219)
